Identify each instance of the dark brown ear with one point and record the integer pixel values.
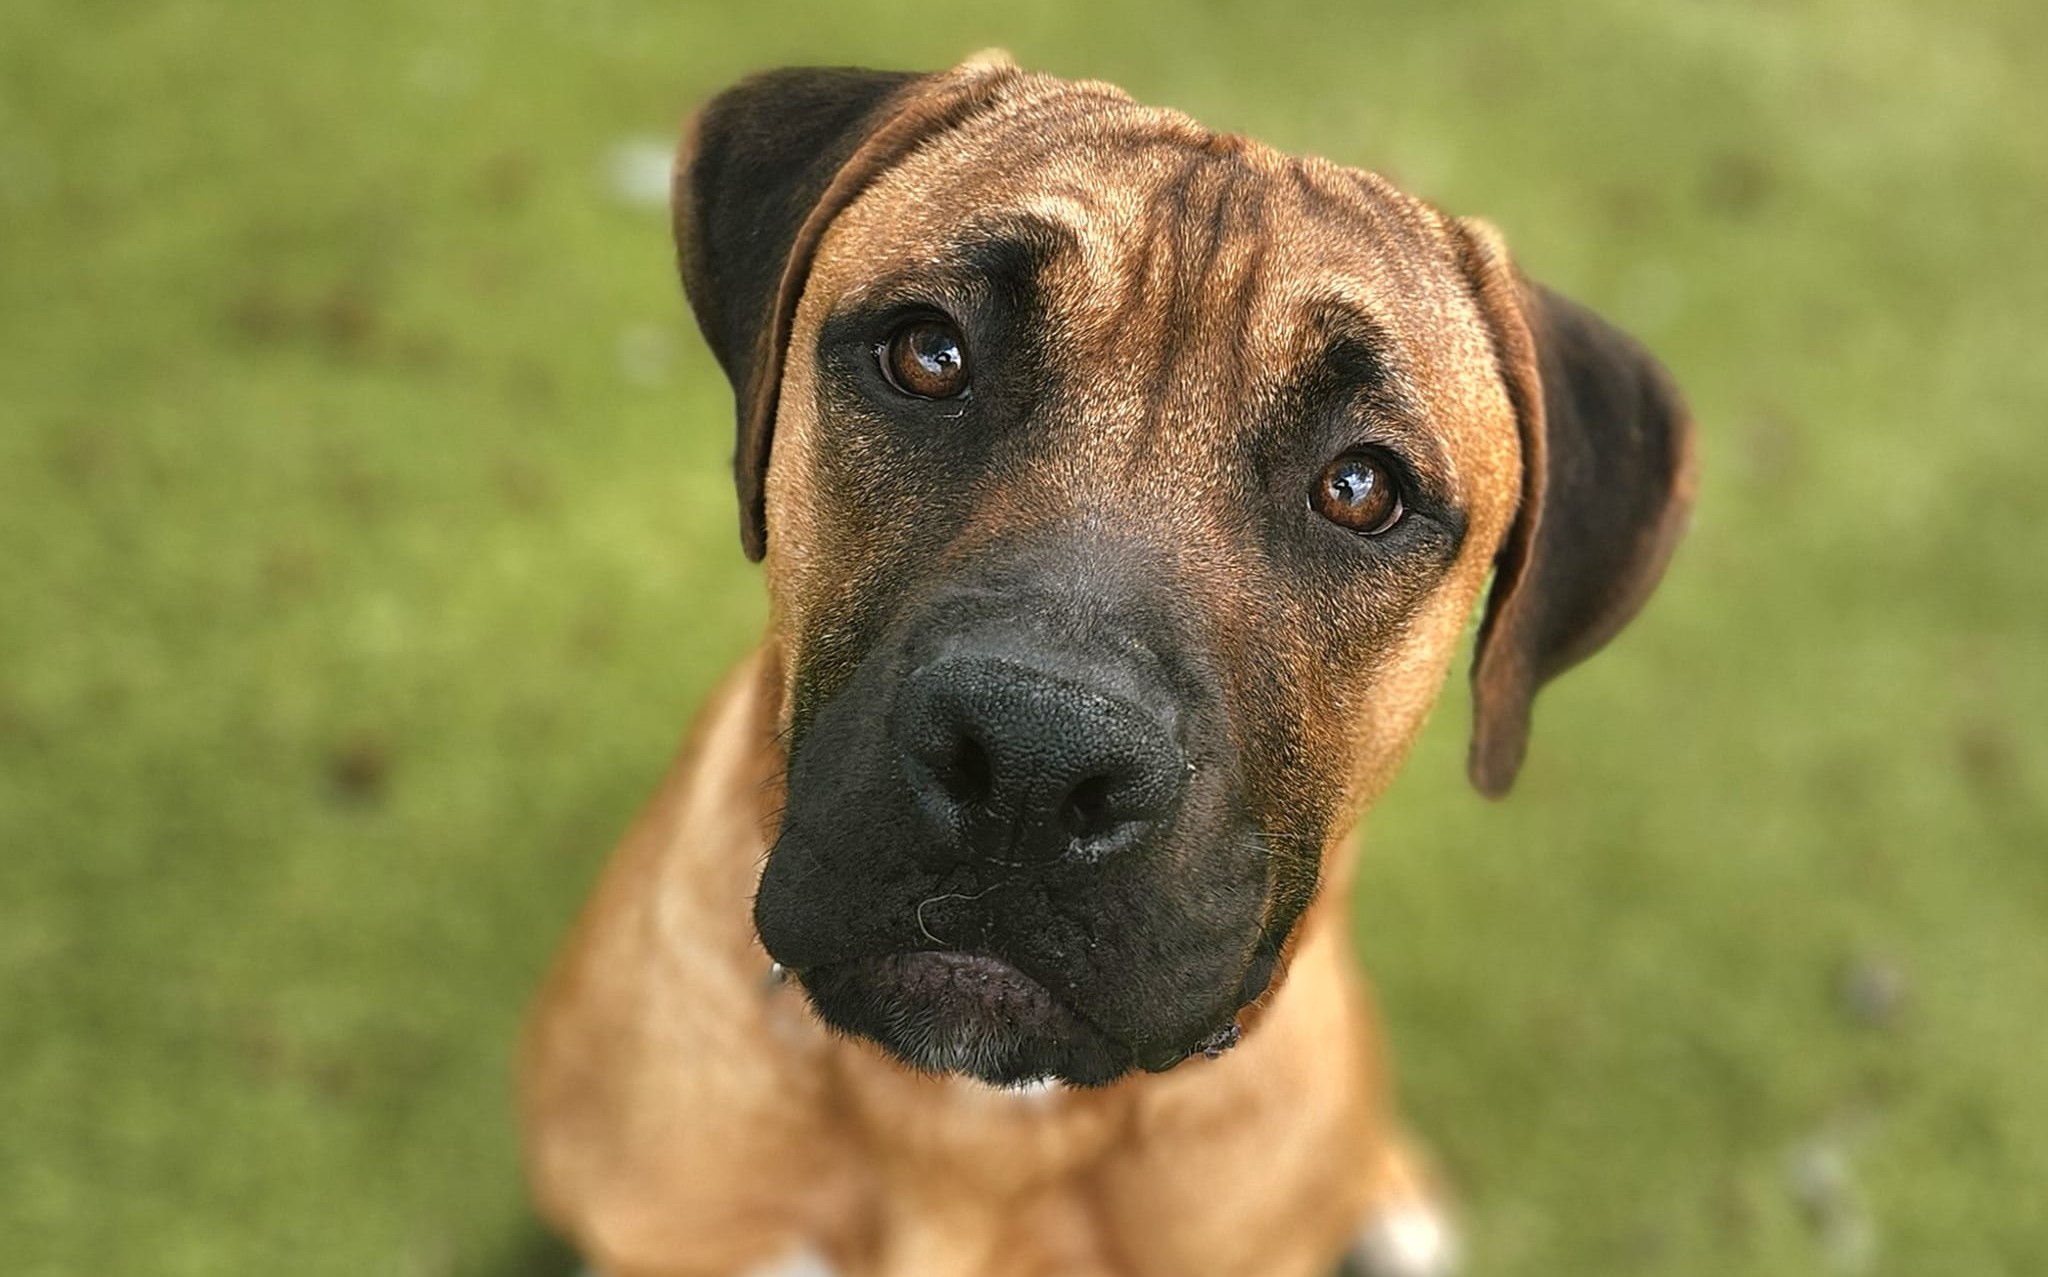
(764, 168)
(1607, 482)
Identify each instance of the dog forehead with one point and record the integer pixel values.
(1124, 185)
(1172, 236)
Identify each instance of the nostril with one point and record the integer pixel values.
(1088, 813)
(968, 775)
(1009, 764)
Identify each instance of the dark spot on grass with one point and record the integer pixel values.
(338, 1077)
(1876, 866)
(87, 453)
(400, 1057)
(359, 768)
(595, 634)
(1563, 1024)
(1496, 71)
(342, 321)
(14, 720)
(525, 487)
(107, 696)
(292, 567)
(1839, 776)
(422, 352)
(262, 316)
(264, 1052)
(490, 273)
(1987, 754)
(1647, 1243)
(1631, 209)
(346, 320)
(1737, 184)
(1733, 1209)
(506, 180)
(530, 383)
(352, 485)
(1881, 1082)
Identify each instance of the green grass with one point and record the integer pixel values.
(365, 544)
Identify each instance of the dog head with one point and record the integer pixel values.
(1124, 490)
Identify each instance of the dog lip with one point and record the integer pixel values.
(955, 1011)
(960, 976)
(947, 1010)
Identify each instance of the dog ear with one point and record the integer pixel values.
(764, 168)
(1607, 481)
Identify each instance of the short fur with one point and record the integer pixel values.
(1171, 331)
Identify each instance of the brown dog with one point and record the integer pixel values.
(1130, 485)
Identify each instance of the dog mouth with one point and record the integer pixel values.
(948, 1011)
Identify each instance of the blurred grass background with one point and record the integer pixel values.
(366, 543)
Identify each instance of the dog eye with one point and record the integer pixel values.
(924, 358)
(1358, 491)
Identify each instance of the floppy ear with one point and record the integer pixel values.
(764, 167)
(1607, 482)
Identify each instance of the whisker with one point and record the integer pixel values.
(953, 895)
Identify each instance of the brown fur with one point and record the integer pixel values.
(684, 1119)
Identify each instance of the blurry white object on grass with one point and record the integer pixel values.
(637, 171)
(1411, 1239)
(646, 352)
(1823, 1181)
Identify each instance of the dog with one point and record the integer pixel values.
(1124, 489)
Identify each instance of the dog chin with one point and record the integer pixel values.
(970, 1014)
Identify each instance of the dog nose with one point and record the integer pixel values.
(1012, 763)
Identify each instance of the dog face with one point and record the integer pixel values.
(1129, 488)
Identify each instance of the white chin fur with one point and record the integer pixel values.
(1036, 1093)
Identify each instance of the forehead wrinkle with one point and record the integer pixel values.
(1089, 221)
(1329, 195)
(1193, 248)
(1194, 289)
(1125, 265)
(1116, 175)
(1190, 290)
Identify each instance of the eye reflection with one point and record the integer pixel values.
(1358, 491)
(925, 358)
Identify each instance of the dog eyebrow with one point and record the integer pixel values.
(1357, 353)
(1002, 254)
(1353, 349)
(1355, 343)
(1007, 241)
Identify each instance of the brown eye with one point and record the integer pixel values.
(924, 358)
(1358, 491)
